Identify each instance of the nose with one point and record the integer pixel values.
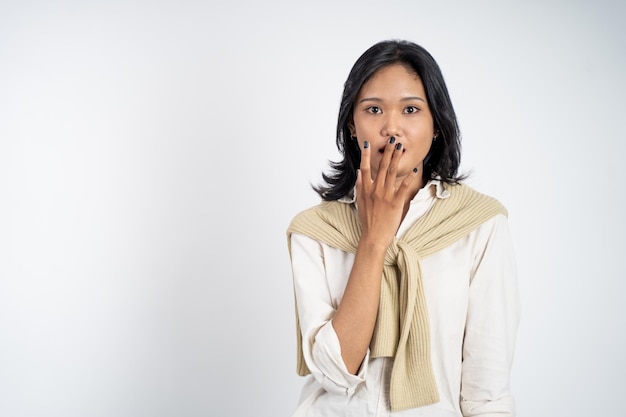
(392, 125)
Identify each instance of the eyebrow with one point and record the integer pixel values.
(378, 100)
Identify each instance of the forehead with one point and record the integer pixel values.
(392, 79)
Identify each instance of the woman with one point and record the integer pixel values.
(404, 279)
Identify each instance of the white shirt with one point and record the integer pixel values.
(473, 306)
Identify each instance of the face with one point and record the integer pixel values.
(393, 103)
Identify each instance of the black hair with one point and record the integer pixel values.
(444, 156)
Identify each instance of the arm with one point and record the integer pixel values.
(336, 332)
(381, 208)
(316, 306)
(491, 326)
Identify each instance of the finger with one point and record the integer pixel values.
(359, 181)
(365, 169)
(360, 192)
(408, 183)
(392, 172)
(385, 161)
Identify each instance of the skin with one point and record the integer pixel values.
(391, 104)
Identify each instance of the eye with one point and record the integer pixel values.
(374, 110)
(411, 110)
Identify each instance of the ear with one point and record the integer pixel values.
(351, 127)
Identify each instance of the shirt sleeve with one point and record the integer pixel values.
(320, 345)
(491, 325)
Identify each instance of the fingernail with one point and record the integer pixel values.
(398, 146)
(414, 169)
(392, 139)
(366, 145)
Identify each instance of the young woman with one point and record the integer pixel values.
(404, 278)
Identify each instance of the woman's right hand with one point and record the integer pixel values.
(381, 205)
(381, 202)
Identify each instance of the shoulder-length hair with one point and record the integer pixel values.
(444, 156)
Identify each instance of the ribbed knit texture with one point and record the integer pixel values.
(402, 325)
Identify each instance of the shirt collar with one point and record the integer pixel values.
(435, 187)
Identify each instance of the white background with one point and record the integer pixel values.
(153, 153)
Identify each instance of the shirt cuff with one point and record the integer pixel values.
(502, 407)
(333, 374)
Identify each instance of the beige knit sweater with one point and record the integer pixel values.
(402, 326)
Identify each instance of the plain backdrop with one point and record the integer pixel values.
(152, 154)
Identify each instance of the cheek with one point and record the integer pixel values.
(423, 138)
(423, 129)
(365, 128)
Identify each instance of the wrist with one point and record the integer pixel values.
(372, 245)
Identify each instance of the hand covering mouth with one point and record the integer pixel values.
(382, 150)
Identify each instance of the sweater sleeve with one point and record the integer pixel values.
(491, 327)
(316, 308)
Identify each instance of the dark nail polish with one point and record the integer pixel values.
(366, 145)
(392, 139)
(414, 169)
(398, 146)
